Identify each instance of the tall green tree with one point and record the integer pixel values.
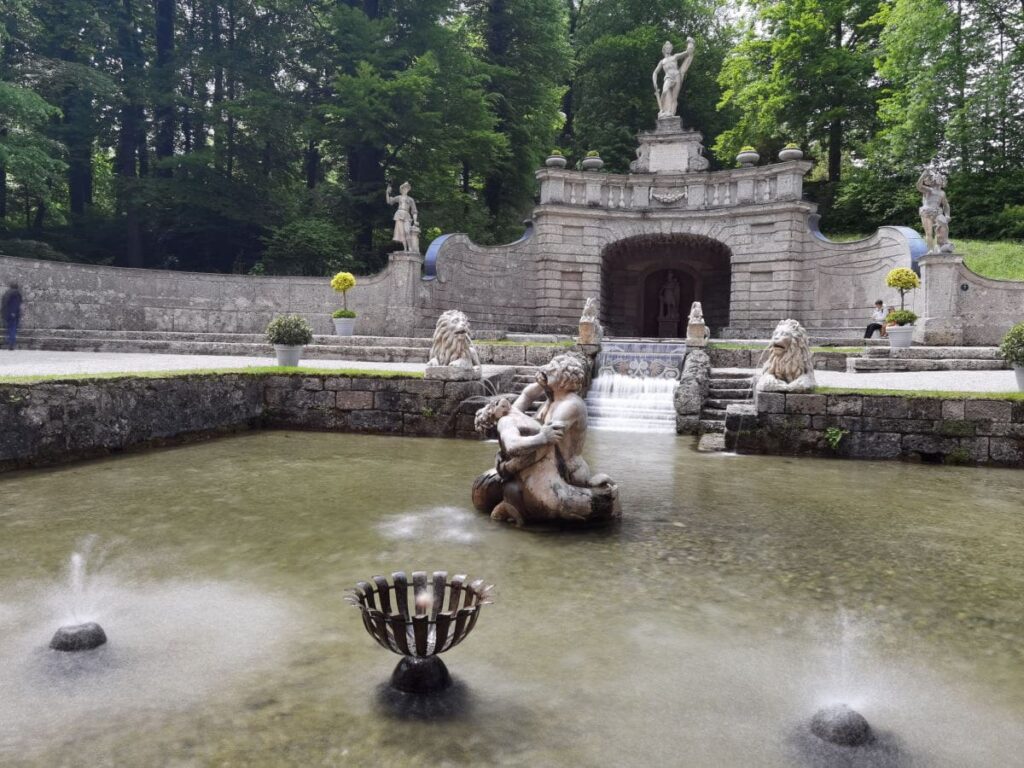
(803, 72)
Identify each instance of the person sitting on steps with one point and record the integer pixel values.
(877, 321)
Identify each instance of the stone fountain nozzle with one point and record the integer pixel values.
(78, 637)
(842, 725)
(438, 615)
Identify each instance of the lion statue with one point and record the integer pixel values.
(790, 363)
(452, 344)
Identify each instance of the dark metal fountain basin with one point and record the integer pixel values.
(419, 621)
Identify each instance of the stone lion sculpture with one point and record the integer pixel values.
(790, 364)
(452, 343)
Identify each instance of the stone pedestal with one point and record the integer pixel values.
(669, 148)
(589, 333)
(940, 323)
(696, 335)
(668, 329)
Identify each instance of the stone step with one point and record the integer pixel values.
(712, 413)
(741, 393)
(886, 365)
(228, 338)
(712, 426)
(934, 353)
(712, 442)
(744, 374)
(723, 402)
(173, 347)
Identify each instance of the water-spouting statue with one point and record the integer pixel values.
(452, 354)
(839, 724)
(590, 330)
(421, 625)
(540, 474)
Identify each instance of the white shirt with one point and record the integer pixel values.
(879, 316)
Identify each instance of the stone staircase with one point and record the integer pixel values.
(727, 386)
(886, 360)
(386, 349)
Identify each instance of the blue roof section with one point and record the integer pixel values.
(918, 247)
(430, 259)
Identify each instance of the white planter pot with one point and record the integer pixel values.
(592, 164)
(289, 356)
(901, 336)
(555, 161)
(1019, 370)
(344, 326)
(791, 154)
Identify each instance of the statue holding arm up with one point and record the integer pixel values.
(406, 218)
(674, 66)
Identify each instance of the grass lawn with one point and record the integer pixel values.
(277, 370)
(997, 259)
(929, 393)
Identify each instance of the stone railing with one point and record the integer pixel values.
(776, 183)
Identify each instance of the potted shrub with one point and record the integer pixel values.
(748, 157)
(289, 334)
(902, 333)
(592, 162)
(903, 280)
(344, 318)
(1012, 350)
(791, 152)
(556, 159)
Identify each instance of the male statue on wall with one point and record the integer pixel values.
(674, 66)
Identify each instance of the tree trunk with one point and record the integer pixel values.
(366, 175)
(3, 193)
(163, 110)
(218, 87)
(129, 147)
(835, 151)
(312, 164)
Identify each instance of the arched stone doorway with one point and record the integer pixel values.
(634, 271)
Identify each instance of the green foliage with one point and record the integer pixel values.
(834, 436)
(343, 313)
(593, 153)
(903, 280)
(289, 331)
(998, 260)
(901, 317)
(1012, 345)
(304, 247)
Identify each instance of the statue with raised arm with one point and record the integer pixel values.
(934, 211)
(540, 475)
(406, 218)
(674, 67)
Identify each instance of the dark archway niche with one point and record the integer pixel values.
(634, 269)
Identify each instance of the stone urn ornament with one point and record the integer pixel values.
(748, 157)
(438, 614)
(555, 160)
(791, 152)
(592, 162)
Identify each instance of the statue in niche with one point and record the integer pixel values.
(790, 364)
(934, 211)
(668, 299)
(674, 67)
(590, 330)
(406, 218)
(540, 475)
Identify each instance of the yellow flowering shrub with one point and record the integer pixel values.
(342, 281)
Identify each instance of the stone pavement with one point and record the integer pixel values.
(41, 363)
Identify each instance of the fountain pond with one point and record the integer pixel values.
(737, 597)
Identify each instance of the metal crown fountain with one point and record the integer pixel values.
(417, 626)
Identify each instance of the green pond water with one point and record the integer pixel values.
(738, 595)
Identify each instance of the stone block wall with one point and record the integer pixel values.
(752, 358)
(53, 422)
(988, 431)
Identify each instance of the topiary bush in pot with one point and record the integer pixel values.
(1012, 350)
(289, 334)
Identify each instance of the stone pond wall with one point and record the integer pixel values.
(53, 422)
(947, 430)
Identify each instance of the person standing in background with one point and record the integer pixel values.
(10, 310)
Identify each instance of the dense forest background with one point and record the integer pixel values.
(259, 135)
